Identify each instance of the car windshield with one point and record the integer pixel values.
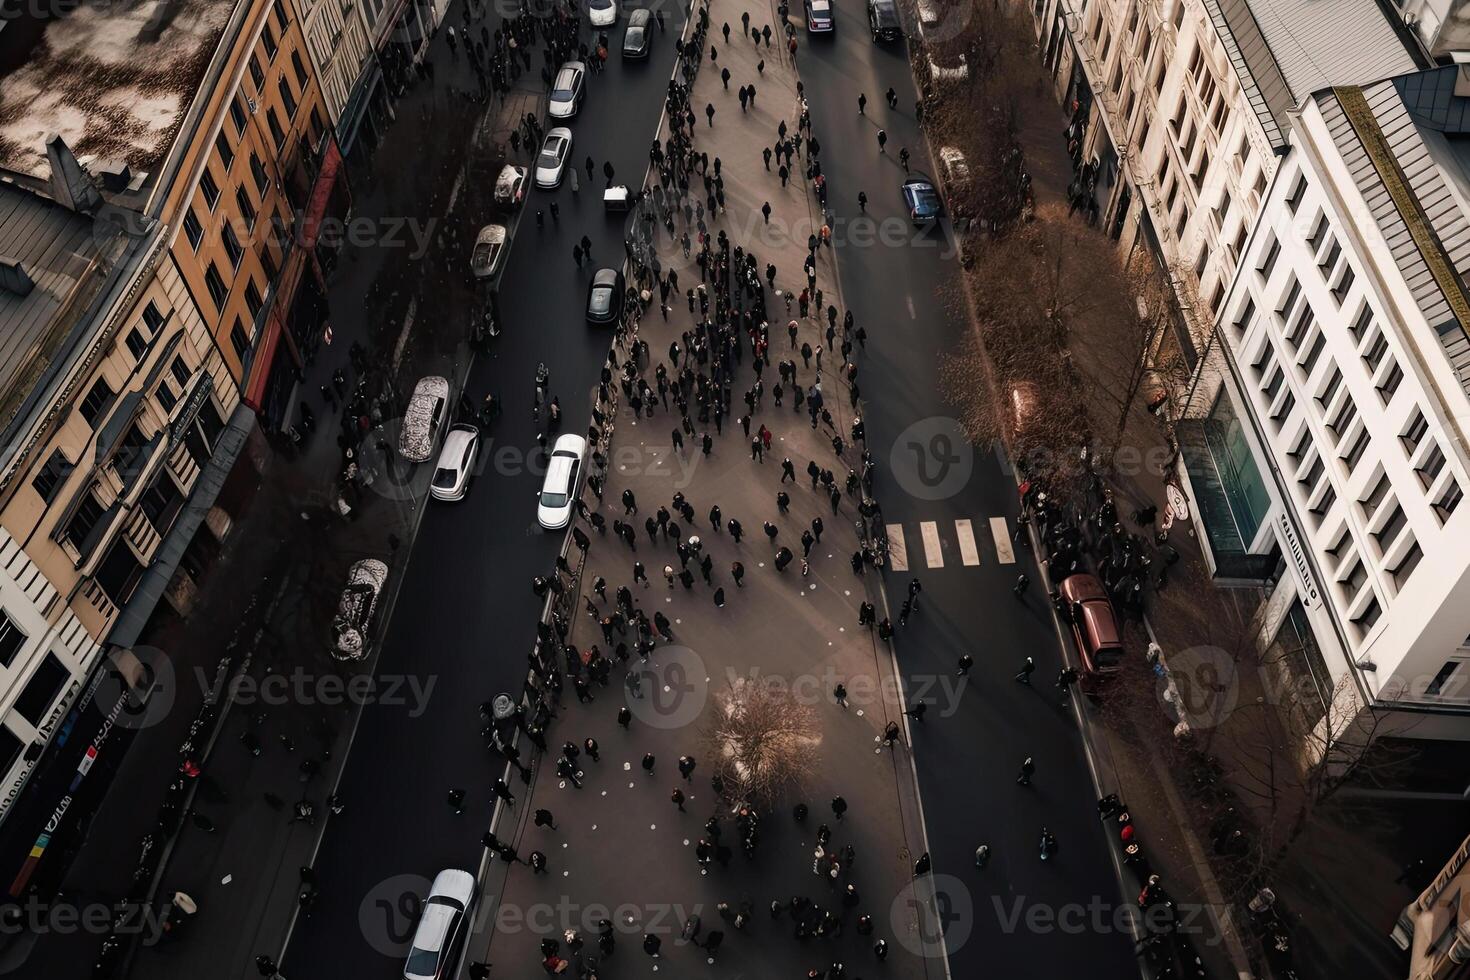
(599, 4)
(561, 95)
(548, 158)
(444, 477)
(634, 36)
(549, 499)
(601, 300)
(421, 963)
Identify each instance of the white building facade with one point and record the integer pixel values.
(1329, 424)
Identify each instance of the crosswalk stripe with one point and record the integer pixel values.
(969, 554)
(898, 556)
(933, 551)
(1002, 534)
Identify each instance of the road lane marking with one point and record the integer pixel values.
(969, 553)
(898, 556)
(933, 553)
(1003, 550)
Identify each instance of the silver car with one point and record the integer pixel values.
(562, 483)
(551, 162)
(566, 90)
(456, 463)
(443, 925)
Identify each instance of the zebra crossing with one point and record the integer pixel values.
(938, 542)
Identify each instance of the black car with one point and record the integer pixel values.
(883, 20)
(605, 296)
(637, 35)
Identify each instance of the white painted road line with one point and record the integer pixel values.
(1003, 550)
(933, 551)
(898, 556)
(969, 554)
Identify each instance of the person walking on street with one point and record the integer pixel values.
(903, 158)
(839, 694)
(892, 98)
(839, 807)
(648, 762)
(862, 104)
(456, 800)
(1019, 589)
(1028, 666)
(966, 662)
(882, 141)
(538, 863)
(502, 791)
(1066, 677)
(545, 819)
(1027, 768)
(686, 768)
(917, 711)
(678, 797)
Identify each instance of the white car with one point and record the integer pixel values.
(602, 13)
(443, 924)
(456, 463)
(489, 247)
(563, 480)
(551, 162)
(566, 90)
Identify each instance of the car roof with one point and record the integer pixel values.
(639, 17)
(559, 132)
(490, 235)
(558, 470)
(918, 180)
(1082, 587)
(456, 444)
(605, 277)
(570, 442)
(458, 885)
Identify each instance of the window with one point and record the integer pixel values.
(1273, 383)
(1432, 465)
(181, 372)
(1355, 452)
(210, 188)
(166, 397)
(1324, 503)
(1284, 411)
(1330, 257)
(277, 133)
(1363, 322)
(1344, 283)
(161, 502)
(1354, 580)
(42, 690)
(288, 99)
(1390, 383)
(1375, 498)
(1269, 261)
(302, 78)
(257, 171)
(97, 401)
(1286, 308)
(193, 229)
(252, 298)
(1406, 565)
(1298, 191)
(238, 116)
(226, 152)
(1448, 501)
(1347, 414)
(137, 344)
(268, 39)
(1314, 350)
(246, 207)
(316, 123)
(1312, 476)
(232, 245)
(49, 478)
(89, 512)
(128, 459)
(1392, 527)
(239, 340)
(280, 12)
(256, 75)
(152, 318)
(1318, 233)
(1247, 316)
(1366, 619)
(1374, 354)
(11, 639)
(1414, 434)
(268, 263)
(1441, 681)
(1330, 389)
(216, 286)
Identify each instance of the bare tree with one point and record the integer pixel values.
(763, 741)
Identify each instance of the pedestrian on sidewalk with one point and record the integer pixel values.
(1028, 666)
(862, 104)
(678, 797)
(966, 662)
(1019, 589)
(719, 598)
(839, 807)
(882, 140)
(624, 715)
(538, 863)
(890, 733)
(589, 745)
(863, 202)
(917, 711)
(709, 109)
(545, 819)
(885, 630)
(737, 572)
(1027, 768)
(839, 694)
(686, 768)
(1066, 677)
(903, 159)
(456, 800)
(892, 98)
(648, 762)
(501, 790)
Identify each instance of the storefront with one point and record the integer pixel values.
(1227, 487)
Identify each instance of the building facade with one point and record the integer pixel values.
(1435, 928)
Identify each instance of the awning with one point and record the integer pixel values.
(171, 551)
(321, 193)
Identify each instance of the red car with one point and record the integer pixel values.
(1094, 628)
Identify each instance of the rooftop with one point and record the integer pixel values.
(88, 75)
(1285, 50)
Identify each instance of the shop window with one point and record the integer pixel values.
(42, 690)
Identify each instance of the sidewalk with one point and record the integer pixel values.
(782, 629)
(238, 853)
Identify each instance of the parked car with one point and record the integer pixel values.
(424, 419)
(489, 247)
(355, 608)
(883, 20)
(921, 198)
(562, 482)
(551, 163)
(1094, 627)
(818, 16)
(510, 186)
(567, 90)
(602, 13)
(456, 463)
(443, 924)
(605, 296)
(637, 36)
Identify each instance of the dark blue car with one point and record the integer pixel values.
(921, 199)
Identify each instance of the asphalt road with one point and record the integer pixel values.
(907, 297)
(466, 614)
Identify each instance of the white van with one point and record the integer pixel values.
(424, 419)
